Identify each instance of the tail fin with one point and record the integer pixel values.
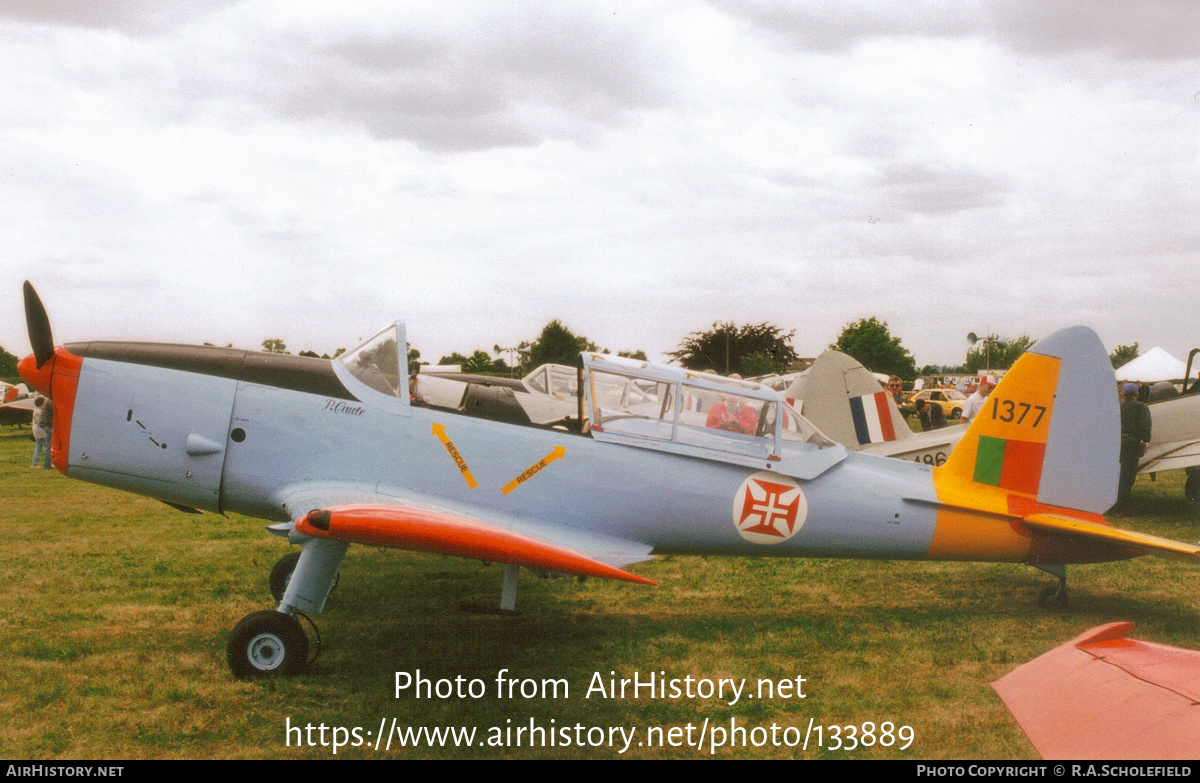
(1048, 435)
(1045, 448)
(844, 401)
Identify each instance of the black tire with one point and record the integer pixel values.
(956, 414)
(281, 574)
(267, 644)
(1191, 486)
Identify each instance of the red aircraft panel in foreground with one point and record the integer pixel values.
(1104, 696)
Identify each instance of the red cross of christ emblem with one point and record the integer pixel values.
(770, 509)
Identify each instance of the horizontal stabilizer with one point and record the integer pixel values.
(428, 530)
(1103, 695)
(1095, 531)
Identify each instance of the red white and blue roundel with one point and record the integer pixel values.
(769, 508)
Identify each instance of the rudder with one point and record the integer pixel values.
(844, 401)
(1049, 433)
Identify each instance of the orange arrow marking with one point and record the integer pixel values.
(439, 432)
(558, 453)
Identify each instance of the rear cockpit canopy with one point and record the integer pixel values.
(671, 409)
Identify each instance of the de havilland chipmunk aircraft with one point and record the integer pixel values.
(667, 461)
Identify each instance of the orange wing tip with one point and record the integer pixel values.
(424, 530)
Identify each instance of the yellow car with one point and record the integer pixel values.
(951, 401)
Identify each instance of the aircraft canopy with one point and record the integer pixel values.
(377, 362)
(673, 409)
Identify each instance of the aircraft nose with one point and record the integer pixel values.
(38, 378)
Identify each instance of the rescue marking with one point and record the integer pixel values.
(439, 432)
(769, 508)
(558, 453)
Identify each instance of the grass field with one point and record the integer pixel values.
(115, 611)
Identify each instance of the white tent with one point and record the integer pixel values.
(1154, 365)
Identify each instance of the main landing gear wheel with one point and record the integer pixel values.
(1054, 597)
(281, 574)
(1191, 487)
(267, 644)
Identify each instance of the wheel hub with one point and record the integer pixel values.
(265, 651)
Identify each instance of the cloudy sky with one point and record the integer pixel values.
(232, 171)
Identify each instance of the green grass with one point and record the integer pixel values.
(116, 609)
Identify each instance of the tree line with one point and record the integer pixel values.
(748, 350)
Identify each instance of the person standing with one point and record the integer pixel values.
(43, 424)
(974, 403)
(1135, 439)
(931, 415)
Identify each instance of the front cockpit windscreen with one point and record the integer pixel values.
(376, 362)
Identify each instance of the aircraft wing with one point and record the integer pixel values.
(1144, 543)
(1175, 455)
(1105, 696)
(377, 517)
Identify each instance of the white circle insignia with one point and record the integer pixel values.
(769, 508)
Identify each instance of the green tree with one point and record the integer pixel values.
(480, 361)
(869, 341)
(760, 363)
(943, 369)
(8, 367)
(558, 345)
(274, 345)
(988, 354)
(1124, 355)
(637, 355)
(727, 348)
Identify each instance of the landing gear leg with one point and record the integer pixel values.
(1191, 486)
(281, 575)
(273, 643)
(508, 596)
(1055, 596)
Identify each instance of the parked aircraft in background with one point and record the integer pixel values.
(846, 402)
(1175, 436)
(548, 396)
(667, 462)
(16, 403)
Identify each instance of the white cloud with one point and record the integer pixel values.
(235, 171)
